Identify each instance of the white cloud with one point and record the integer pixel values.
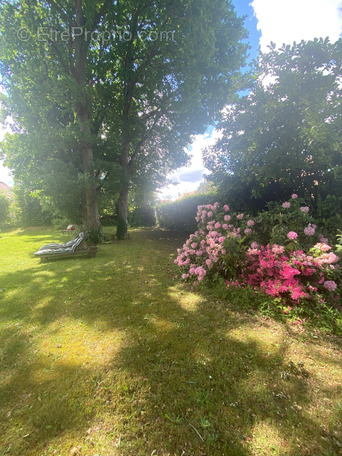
(286, 21)
(188, 178)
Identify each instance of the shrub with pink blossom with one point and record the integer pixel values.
(299, 270)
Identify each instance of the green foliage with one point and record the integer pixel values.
(95, 236)
(142, 201)
(142, 216)
(339, 244)
(285, 134)
(180, 215)
(276, 221)
(329, 212)
(4, 209)
(29, 209)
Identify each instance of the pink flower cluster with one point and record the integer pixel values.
(271, 271)
(330, 285)
(310, 230)
(280, 275)
(205, 248)
(292, 235)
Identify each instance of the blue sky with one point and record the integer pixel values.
(280, 21)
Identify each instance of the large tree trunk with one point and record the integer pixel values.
(122, 228)
(93, 218)
(122, 231)
(78, 70)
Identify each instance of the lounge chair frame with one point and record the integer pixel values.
(74, 248)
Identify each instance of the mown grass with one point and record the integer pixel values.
(113, 356)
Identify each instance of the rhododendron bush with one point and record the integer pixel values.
(279, 253)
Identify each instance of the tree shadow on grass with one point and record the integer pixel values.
(178, 374)
(214, 394)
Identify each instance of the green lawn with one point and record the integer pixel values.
(113, 356)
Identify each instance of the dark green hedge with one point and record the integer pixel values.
(142, 216)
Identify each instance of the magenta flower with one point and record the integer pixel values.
(305, 209)
(239, 216)
(248, 231)
(226, 207)
(250, 223)
(292, 234)
(294, 196)
(288, 272)
(227, 218)
(286, 205)
(210, 214)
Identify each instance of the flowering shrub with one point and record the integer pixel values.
(300, 268)
(294, 276)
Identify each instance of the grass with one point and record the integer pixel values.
(113, 356)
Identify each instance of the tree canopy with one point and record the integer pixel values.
(284, 136)
(106, 95)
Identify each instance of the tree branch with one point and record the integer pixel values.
(60, 10)
(67, 69)
(144, 139)
(99, 15)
